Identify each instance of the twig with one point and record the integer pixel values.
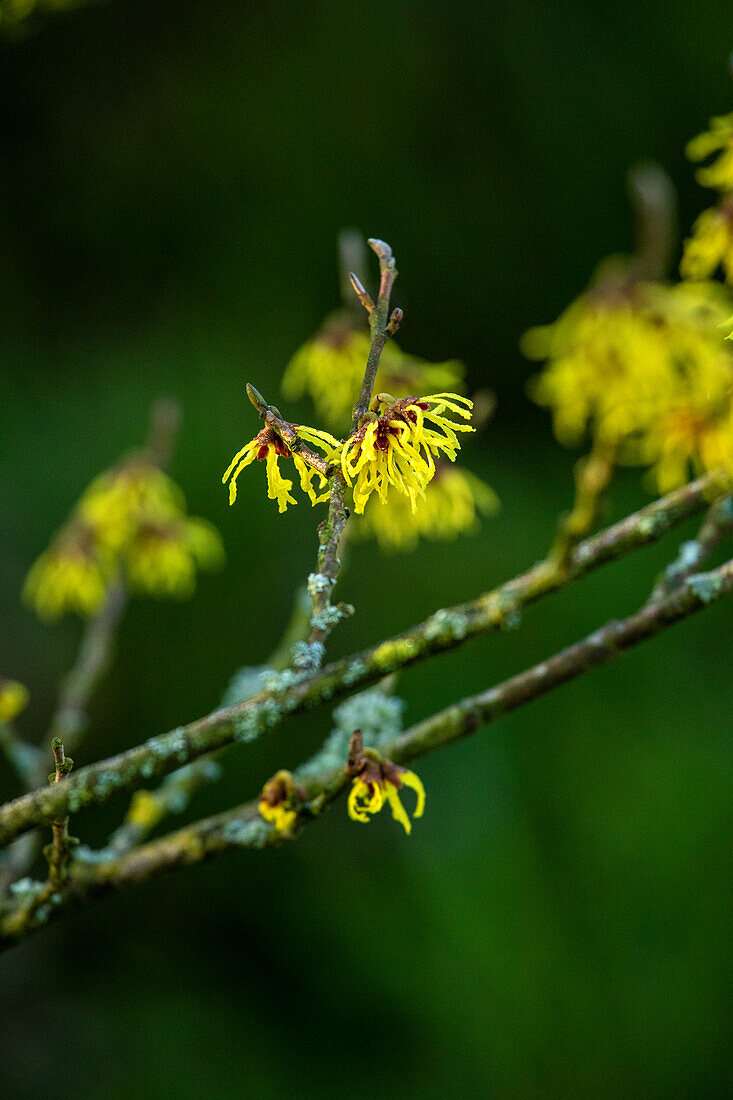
(321, 584)
(654, 201)
(352, 265)
(598, 648)
(444, 630)
(692, 554)
(243, 827)
(593, 475)
(58, 851)
(287, 432)
(330, 532)
(382, 325)
(165, 420)
(71, 718)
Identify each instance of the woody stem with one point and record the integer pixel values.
(381, 325)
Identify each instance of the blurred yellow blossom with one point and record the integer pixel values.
(710, 244)
(72, 575)
(718, 139)
(130, 524)
(134, 492)
(163, 557)
(615, 357)
(692, 433)
(330, 368)
(13, 699)
(454, 500)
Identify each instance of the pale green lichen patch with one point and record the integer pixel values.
(318, 583)
(247, 834)
(355, 671)
(308, 655)
(26, 888)
(706, 586)
(245, 683)
(446, 623)
(328, 617)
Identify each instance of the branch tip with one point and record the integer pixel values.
(362, 294)
(382, 250)
(257, 399)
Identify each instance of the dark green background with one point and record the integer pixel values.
(172, 179)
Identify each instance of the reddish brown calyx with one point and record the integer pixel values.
(384, 431)
(282, 789)
(267, 438)
(370, 767)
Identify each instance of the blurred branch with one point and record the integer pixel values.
(244, 827)
(654, 202)
(444, 630)
(352, 265)
(71, 718)
(593, 475)
(692, 554)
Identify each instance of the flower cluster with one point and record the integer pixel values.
(377, 783)
(710, 244)
(330, 367)
(645, 366)
(454, 499)
(397, 447)
(392, 454)
(268, 447)
(130, 524)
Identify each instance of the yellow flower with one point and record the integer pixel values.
(398, 446)
(617, 352)
(13, 699)
(454, 499)
(118, 500)
(72, 575)
(268, 447)
(710, 245)
(719, 138)
(162, 557)
(330, 369)
(280, 801)
(693, 435)
(379, 783)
